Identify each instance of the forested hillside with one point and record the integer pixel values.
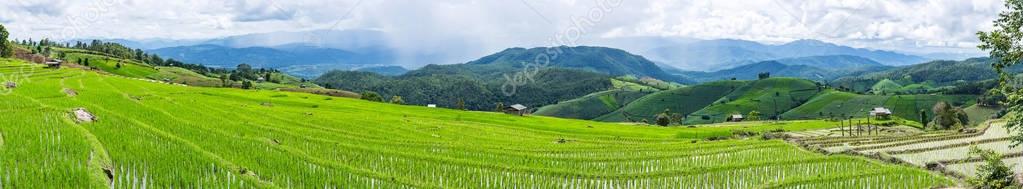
(934, 73)
(508, 77)
(771, 98)
(818, 68)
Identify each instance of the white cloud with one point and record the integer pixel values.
(487, 26)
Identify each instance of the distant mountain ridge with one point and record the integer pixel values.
(713, 55)
(296, 59)
(813, 68)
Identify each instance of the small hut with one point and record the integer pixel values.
(880, 112)
(53, 63)
(517, 109)
(735, 118)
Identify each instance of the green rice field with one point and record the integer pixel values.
(157, 135)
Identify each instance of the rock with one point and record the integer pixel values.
(83, 116)
(70, 92)
(11, 85)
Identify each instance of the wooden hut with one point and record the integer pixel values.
(517, 109)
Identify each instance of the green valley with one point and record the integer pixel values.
(512, 94)
(238, 138)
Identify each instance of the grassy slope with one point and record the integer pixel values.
(978, 114)
(681, 100)
(135, 69)
(766, 96)
(838, 104)
(597, 104)
(591, 106)
(175, 136)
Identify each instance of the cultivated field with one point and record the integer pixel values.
(940, 150)
(152, 134)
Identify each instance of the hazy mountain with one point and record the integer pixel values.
(837, 63)
(750, 72)
(349, 40)
(806, 47)
(385, 70)
(280, 57)
(712, 55)
(813, 67)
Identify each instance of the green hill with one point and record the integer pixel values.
(156, 135)
(681, 100)
(838, 104)
(591, 106)
(770, 97)
(936, 73)
(978, 114)
(604, 60)
(886, 86)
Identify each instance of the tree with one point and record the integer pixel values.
(372, 96)
(460, 104)
(6, 48)
(764, 75)
(677, 118)
(947, 117)
(235, 77)
(118, 66)
(753, 116)
(223, 80)
(247, 85)
(993, 173)
(1005, 44)
(663, 119)
(961, 115)
(397, 100)
(923, 118)
(499, 107)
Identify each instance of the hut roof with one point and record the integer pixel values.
(517, 107)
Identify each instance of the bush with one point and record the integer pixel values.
(663, 119)
(372, 96)
(246, 85)
(993, 173)
(397, 100)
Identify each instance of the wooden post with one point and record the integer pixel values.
(859, 129)
(841, 127)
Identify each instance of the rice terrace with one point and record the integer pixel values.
(365, 104)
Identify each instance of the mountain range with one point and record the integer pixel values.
(348, 47)
(713, 55)
(509, 76)
(812, 67)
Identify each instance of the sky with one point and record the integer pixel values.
(913, 26)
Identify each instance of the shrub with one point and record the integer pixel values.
(247, 85)
(993, 173)
(663, 119)
(397, 100)
(372, 96)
